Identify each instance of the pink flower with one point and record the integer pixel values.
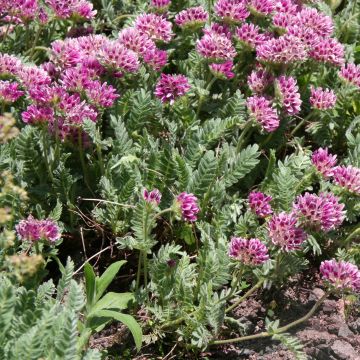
(31, 76)
(153, 196)
(9, 65)
(289, 96)
(261, 110)
(192, 18)
(101, 94)
(351, 73)
(261, 7)
(66, 53)
(286, 49)
(259, 80)
(75, 79)
(156, 59)
(34, 230)
(25, 10)
(322, 99)
(155, 27)
(188, 206)
(348, 177)
(323, 212)
(284, 233)
(171, 87)
(37, 114)
(216, 47)
(222, 71)
(219, 29)
(77, 8)
(9, 91)
(249, 34)
(341, 275)
(117, 57)
(324, 161)
(260, 203)
(160, 5)
(231, 11)
(286, 6)
(328, 51)
(46, 94)
(248, 251)
(133, 40)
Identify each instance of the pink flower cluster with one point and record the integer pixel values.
(347, 177)
(260, 203)
(192, 18)
(289, 94)
(222, 71)
(250, 35)
(351, 73)
(284, 232)
(188, 206)
(9, 91)
(160, 5)
(248, 251)
(171, 87)
(231, 11)
(319, 212)
(33, 230)
(261, 7)
(341, 275)
(259, 80)
(156, 27)
(324, 161)
(154, 196)
(322, 99)
(216, 47)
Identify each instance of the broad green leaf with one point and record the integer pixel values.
(107, 277)
(112, 300)
(90, 283)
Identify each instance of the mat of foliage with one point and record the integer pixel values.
(166, 166)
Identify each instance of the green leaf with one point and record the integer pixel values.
(107, 277)
(90, 283)
(127, 320)
(112, 300)
(55, 213)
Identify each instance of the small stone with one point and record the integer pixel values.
(329, 306)
(344, 351)
(344, 331)
(316, 294)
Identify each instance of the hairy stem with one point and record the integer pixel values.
(244, 132)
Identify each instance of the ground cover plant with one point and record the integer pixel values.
(164, 162)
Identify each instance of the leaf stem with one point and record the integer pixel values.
(244, 132)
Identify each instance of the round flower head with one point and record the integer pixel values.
(37, 114)
(340, 275)
(288, 94)
(219, 29)
(261, 7)
(231, 11)
(319, 212)
(222, 71)
(284, 233)
(101, 94)
(171, 87)
(133, 40)
(160, 5)
(250, 36)
(286, 6)
(216, 47)
(351, 73)
(261, 110)
(31, 76)
(286, 49)
(260, 203)
(248, 251)
(9, 91)
(153, 196)
(347, 177)
(259, 80)
(192, 18)
(9, 64)
(322, 99)
(324, 161)
(328, 51)
(155, 27)
(157, 59)
(32, 230)
(188, 206)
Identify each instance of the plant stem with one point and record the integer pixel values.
(37, 35)
(138, 272)
(82, 161)
(300, 124)
(145, 269)
(46, 153)
(352, 235)
(247, 294)
(244, 132)
(202, 98)
(277, 331)
(162, 212)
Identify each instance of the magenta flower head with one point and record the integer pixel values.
(192, 18)
(351, 74)
(324, 161)
(31, 229)
(248, 251)
(260, 203)
(261, 7)
(156, 27)
(31, 76)
(231, 11)
(288, 94)
(9, 91)
(347, 177)
(286, 49)
(319, 212)
(340, 275)
(261, 110)
(259, 80)
(133, 40)
(250, 35)
(101, 94)
(284, 233)
(322, 99)
(217, 48)
(222, 71)
(171, 87)
(156, 59)
(37, 114)
(328, 51)
(160, 6)
(219, 29)
(188, 206)
(154, 196)
(9, 65)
